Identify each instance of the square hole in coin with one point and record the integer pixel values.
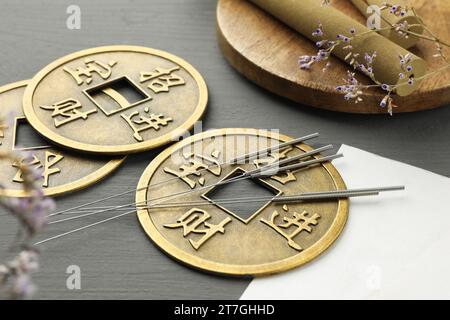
(117, 95)
(26, 138)
(246, 188)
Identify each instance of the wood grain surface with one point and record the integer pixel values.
(267, 54)
(117, 259)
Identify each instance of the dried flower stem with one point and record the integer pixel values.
(31, 212)
(352, 88)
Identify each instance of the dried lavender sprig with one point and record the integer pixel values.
(30, 211)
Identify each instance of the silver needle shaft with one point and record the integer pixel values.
(313, 196)
(243, 176)
(233, 161)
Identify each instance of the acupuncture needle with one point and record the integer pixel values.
(233, 161)
(297, 198)
(323, 195)
(280, 163)
(300, 197)
(83, 228)
(303, 155)
(245, 175)
(280, 146)
(364, 191)
(338, 193)
(227, 201)
(241, 177)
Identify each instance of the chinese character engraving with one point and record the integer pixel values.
(142, 122)
(273, 157)
(67, 111)
(195, 221)
(197, 164)
(50, 159)
(300, 221)
(162, 79)
(85, 74)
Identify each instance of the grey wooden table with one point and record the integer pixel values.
(116, 259)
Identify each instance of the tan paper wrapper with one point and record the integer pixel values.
(304, 17)
(388, 19)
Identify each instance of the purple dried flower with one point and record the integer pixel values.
(384, 102)
(305, 62)
(389, 103)
(319, 31)
(25, 156)
(15, 276)
(343, 38)
(352, 89)
(305, 66)
(23, 287)
(370, 58)
(31, 212)
(405, 59)
(402, 28)
(304, 59)
(19, 205)
(385, 87)
(323, 54)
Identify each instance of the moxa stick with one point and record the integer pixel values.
(304, 16)
(387, 19)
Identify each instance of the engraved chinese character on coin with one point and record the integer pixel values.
(202, 228)
(62, 171)
(115, 100)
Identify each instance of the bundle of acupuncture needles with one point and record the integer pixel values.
(280, 166)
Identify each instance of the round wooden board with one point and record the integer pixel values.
(266, 51)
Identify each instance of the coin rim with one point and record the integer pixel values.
(229, 269)
(88, 180)
(119, 149)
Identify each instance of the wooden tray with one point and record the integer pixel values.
(266, 51)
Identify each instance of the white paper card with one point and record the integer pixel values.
(394, 246)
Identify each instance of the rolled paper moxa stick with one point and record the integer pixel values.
(386, 19)
(304, 16)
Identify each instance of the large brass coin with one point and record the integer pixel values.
(272, 238)
(115, 100)
(62, 171)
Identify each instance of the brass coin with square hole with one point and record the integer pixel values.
(115, 99)
(62, 171)
(209, 232)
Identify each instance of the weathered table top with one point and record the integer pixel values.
(116, 259)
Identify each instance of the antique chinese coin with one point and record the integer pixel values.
(253, 238)
(61, 171)
(115, 99)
